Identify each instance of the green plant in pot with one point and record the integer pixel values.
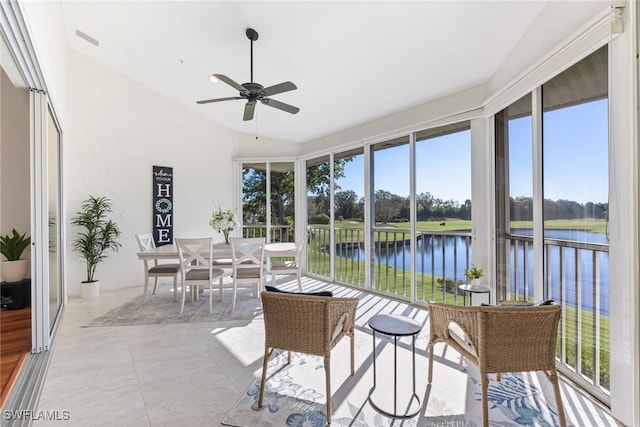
(474, 273)
(98, 234)
(12, 246)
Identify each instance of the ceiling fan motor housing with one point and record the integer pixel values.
(252, 34)
(254, 91)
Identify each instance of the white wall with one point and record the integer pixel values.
(45, 24)
(119, 130)
(266, 148)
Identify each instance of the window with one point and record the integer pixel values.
(268, 214)
(348, 205)
(575, 182)
(282, 202)
(319, 216)
(558, 235)
(514, 160)
(443, 211)
(390, 232)
(254, 200)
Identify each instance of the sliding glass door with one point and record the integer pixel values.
(56, 290)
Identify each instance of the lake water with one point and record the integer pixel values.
(453, 250)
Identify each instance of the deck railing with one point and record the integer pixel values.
(576, 275)
(279, 233)
(439, 275)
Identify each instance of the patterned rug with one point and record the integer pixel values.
(160, 308)
(295, 396)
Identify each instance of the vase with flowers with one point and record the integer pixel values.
(223, 222)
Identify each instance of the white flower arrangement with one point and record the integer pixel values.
(223, 221)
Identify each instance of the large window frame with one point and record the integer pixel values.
(384, 258)
(270, 229)
(576, 337)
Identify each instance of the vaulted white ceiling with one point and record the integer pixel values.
(353, 62)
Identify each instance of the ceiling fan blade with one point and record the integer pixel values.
(249, 109)
(207, 101)
(280, 105)
(279, 88)
(230, 82)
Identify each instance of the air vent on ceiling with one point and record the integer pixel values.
(87, 37)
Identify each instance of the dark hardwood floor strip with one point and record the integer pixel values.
(15, 345)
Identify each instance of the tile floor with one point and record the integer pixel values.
(181, 374)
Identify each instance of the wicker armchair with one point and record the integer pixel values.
(306, 324)
(500, 339)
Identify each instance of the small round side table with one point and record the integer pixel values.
(474, 289)
(396, 326)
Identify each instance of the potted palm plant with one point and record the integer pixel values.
(12, 246)
(97, 234)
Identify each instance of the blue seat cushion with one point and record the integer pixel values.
(315, 294)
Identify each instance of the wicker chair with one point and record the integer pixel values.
(306, 324)
(500, 339)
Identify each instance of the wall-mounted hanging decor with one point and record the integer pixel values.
(162, 205)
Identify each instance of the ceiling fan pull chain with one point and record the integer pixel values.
(256, 126)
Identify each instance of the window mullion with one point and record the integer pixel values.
(538, 194)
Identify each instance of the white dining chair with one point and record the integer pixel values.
(146, 243)
(248, 264)
(196, 267)
(291, 266)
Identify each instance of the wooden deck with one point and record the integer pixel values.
(15, 345)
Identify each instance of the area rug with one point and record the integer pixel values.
(160, 308)
(294, 396)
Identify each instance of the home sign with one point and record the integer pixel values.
(162, 205)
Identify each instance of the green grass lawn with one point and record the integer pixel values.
(584, 224)
(450, 225)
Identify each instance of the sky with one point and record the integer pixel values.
(445, 179)
(575, 160)
(575, 155)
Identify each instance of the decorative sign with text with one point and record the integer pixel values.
(162, 205)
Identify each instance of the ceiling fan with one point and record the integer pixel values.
(254, 92)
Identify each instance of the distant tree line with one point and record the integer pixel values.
(389, 207)
(393, 208)
(522, 209)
